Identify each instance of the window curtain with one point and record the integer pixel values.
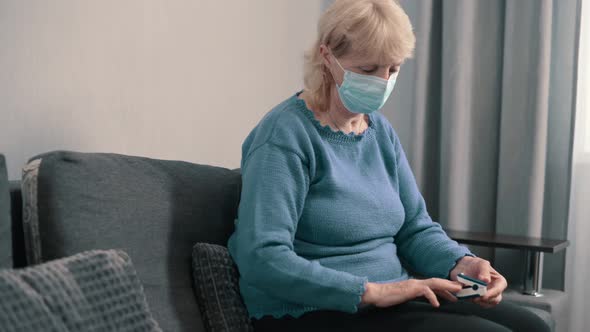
(484, 112)
(578, 258)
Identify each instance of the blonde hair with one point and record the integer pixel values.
(373, 28)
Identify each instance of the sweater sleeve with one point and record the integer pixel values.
(422, 243)
(275, 181)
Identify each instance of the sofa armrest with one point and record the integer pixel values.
(550, 300)
(533, 247)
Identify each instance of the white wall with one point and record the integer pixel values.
(169, 79)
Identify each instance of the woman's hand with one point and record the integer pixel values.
(482, 270)
(388, 294)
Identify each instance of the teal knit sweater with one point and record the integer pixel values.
(323, 212)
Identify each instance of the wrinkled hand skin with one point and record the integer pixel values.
(482, 269)
(389, 294)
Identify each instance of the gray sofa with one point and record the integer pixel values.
(154, 210)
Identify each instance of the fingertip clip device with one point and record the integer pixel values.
(471, 287)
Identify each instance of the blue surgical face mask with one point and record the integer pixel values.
(364, 93)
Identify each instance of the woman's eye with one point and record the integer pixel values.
(369, 70)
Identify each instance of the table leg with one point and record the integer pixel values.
(533, 277)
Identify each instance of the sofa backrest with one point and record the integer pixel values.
(155, 210)
(5, 223)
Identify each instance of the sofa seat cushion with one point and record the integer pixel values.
(90, 291)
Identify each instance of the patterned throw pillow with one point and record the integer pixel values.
(215, 276)
(96, 290)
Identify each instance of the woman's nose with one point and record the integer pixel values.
(384, 73)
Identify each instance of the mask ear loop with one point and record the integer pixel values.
(339, 65)
(338, 62)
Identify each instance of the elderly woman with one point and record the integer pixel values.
(330, 214)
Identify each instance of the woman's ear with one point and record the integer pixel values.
(325, 55)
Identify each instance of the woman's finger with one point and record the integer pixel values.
(479, 301)
(484, 270)
(431, 297)
(492, 302)
(493, 291)
(495, 288)
(495, 300)
(446, 295)
(443, 284)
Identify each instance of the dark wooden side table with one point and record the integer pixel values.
(534, 249)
